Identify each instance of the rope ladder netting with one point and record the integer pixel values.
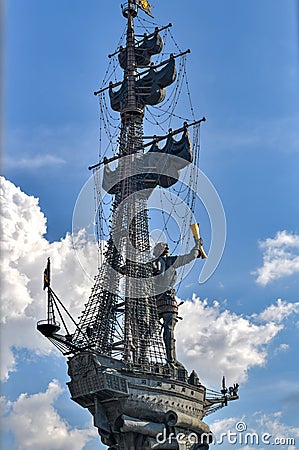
(120, 317)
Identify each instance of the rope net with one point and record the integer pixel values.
(120, 317)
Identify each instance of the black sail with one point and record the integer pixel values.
(157, 167)
(144, 51)
(150, 89)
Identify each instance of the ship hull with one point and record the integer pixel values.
(140, 409)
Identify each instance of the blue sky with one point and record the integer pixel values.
(243, 76)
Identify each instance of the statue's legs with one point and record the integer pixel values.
(169, 322)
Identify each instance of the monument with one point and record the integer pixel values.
(121, 354)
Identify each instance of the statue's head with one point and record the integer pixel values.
(161, 249)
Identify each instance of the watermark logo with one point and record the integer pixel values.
(184, 438)
(241, 426)
(240, 435)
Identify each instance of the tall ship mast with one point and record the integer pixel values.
(121, 352)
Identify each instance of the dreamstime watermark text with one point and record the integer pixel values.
(238, 436)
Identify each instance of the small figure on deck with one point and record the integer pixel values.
(164, 271)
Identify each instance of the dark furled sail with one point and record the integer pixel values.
(157, 167)
(144, 51)
(150, 89)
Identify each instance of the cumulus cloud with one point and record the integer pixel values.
(279, 311)
(282, 348)
(24, 254)
(217, 343)
(274, 425)
(227, 343)
(36, 424)
(280, 257)
(267, 427)
(223, 425)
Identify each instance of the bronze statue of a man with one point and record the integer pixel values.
(164, 271)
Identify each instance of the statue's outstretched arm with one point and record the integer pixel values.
(182, 260)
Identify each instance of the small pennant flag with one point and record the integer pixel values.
(145, 6)
(47, 275)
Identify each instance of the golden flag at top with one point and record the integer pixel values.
(145, 6)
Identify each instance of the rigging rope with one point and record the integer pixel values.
(182, 201)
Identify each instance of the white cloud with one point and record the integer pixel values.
(280, 257)
(247, 447)
(278, 312)
(24, 254)
(36, 424)
(223, 425)
(34, 162)
(266, 427)
(228, 344)
(282, 348)
(272, 424)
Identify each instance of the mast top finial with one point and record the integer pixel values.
(129, 9)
